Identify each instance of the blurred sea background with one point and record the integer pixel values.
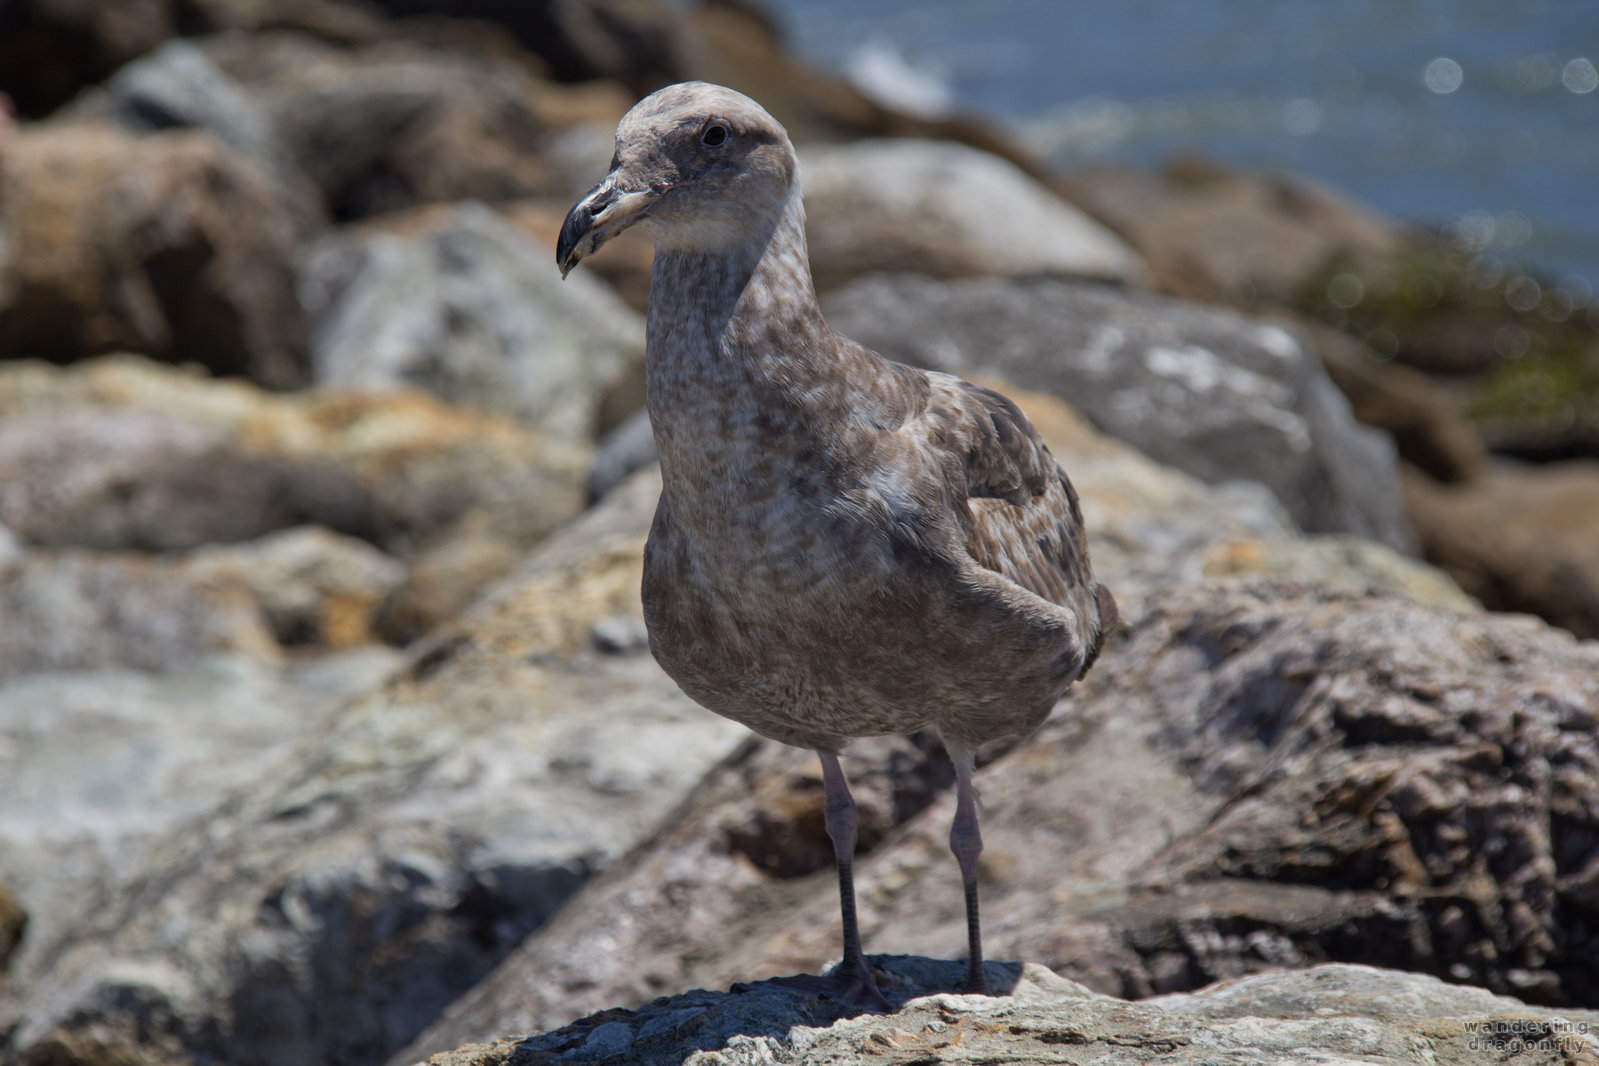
(1476, 117)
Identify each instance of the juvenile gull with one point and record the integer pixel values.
(844, 546)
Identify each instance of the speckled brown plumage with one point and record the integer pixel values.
(844, 546)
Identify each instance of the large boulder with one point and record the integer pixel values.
(1310, 1018)
(168, 245)
(948, 211)
(1259, 774)
(457, 301)
(1205, 390)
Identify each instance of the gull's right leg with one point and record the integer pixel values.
(851, 980)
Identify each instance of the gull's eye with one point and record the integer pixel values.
(714, 134)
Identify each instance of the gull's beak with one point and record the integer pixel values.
(604, 212)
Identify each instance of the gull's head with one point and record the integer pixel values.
(697, 167)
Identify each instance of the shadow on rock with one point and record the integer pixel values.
(674, 1027)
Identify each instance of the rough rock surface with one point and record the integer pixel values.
(1519, 538)
(1321, 1016)
(120, 453)
(1260, 774)
(168, 245)
(326, 905)
(931, 207)
(1205, 390)
(461, 304)
(101, 768)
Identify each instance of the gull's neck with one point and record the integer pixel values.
(739, 362)
(758, 277)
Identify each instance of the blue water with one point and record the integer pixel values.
(1480, 115)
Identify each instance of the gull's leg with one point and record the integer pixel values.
(966, 841)
(840, 820)
(851, 980)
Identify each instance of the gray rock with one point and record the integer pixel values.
(1207, 391)
(471, 311)
(331, 899)
(945, 210)
(98, 768)
(1319, 1017)
(1344, 562)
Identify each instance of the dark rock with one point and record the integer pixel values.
(13, 923)
(1205, 390)
(396, 123)
(50, 49)
(168, 245)
(1330, 1013)
(178, 87)
(1519, 538)
(634, 41)
(628, 447)
(1260, 774)
(735, 43)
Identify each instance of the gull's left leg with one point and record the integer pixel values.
(966, 841)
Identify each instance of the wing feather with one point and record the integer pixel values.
(1023, 518)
